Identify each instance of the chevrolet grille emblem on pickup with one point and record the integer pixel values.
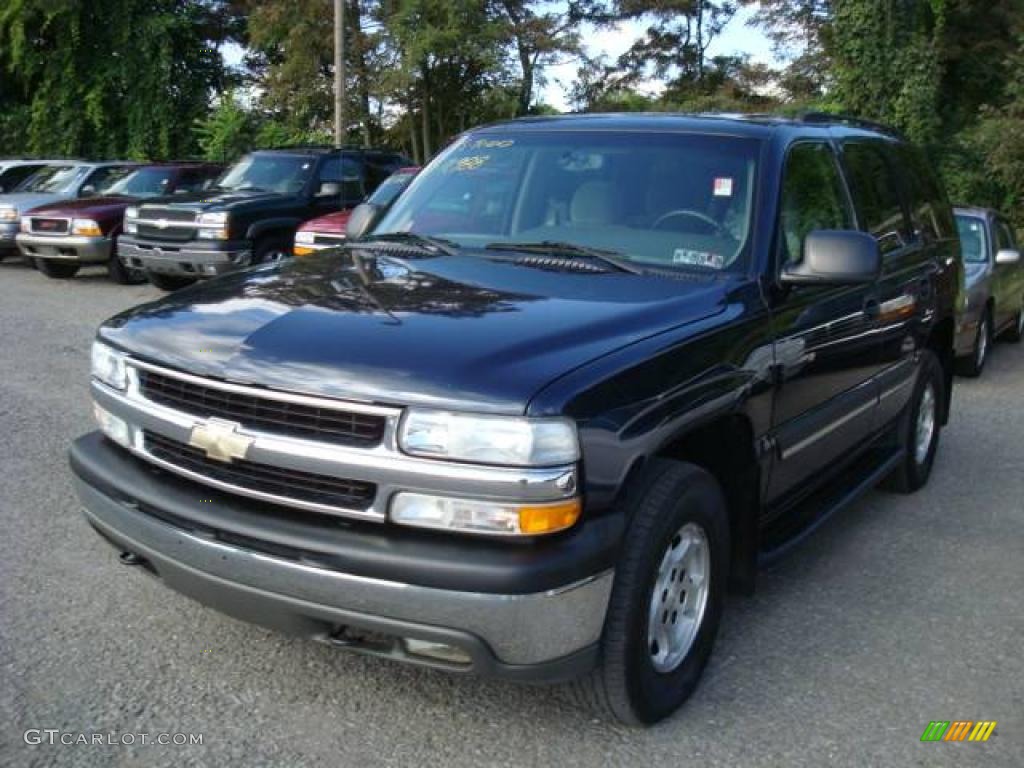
(220, 440)
(161, 223)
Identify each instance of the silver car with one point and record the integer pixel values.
(993, 302)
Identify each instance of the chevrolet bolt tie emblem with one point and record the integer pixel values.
(220, 440)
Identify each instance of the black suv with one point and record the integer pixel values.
(585, 375)
(249, 216)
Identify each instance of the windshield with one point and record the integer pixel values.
(144, 182)
(973, 240)
(283, 173)
(51, 179)
(669, 200)
(388, 190)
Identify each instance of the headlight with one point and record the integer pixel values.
(212, 219)
(26, 224)
(131, 212)
(108, 365)
(304, 237)
(86, 227)
(212, 234)
(504, 440)
(474, 516)
(131, 227)
(7, 213)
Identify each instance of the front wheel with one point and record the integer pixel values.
(271, 250)
(58, 270)
(1015, 332)
(168, 282)
(921, 427)
(975, 364)
(122, 274)
(667, 600)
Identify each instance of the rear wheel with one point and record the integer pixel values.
(920, 429)
(168, 282)
(58, 270)
(667, 600)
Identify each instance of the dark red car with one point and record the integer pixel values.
(63, 236)
(329, 231)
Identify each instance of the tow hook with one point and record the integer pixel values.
(130, 558)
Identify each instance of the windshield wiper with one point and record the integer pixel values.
(569, 250)
(447, 247)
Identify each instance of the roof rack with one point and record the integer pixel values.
(851, 120)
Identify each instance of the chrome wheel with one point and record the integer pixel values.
(679, 597)
(926, 412)
(981, 348)
(274, 255)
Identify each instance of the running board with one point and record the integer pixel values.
(799, 523)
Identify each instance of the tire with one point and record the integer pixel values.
(1015, 332)
(676, 500)
(271, 249)
(918, 455)
(973, 366)
(120, 273)
(58, 270)
(168, 282)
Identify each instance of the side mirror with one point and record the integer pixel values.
(836, 257)
(363, 218)
(328, 189)
(87, 191)
(1008, 256)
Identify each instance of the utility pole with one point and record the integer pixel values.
(339, 72)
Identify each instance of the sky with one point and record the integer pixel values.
(737, 37)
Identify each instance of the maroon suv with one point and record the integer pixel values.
(63, 236)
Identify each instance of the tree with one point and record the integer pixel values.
(113, 77)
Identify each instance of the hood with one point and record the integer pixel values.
(23, 201)
(332, 223)
(458, 331)
(91, 207)
(216, 199)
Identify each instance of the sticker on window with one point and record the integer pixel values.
(698, 258)
(471, 163)
(723, 187)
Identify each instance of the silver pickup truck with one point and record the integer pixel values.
(994, 286)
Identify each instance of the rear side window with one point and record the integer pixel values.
(876, 194)
(813, 198)
(930, 212)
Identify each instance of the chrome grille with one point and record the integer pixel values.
(308, 487)
(280, 417)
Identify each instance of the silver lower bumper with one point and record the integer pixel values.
(495, 630)
(65, 247)
(184, 262)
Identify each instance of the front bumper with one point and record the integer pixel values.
(65, 247)
(193, 259)
(401, 584)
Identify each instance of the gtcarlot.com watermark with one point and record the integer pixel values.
(36, 736)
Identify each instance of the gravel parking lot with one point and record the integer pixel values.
(900, 611)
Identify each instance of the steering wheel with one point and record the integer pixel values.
(680, 212)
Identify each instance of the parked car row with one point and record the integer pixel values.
(177, 222)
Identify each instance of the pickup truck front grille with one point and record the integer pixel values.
(168, 224)
(49, 226)
(285, 484)
(277, 416)
(165, 214)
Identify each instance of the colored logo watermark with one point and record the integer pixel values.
(958, 730)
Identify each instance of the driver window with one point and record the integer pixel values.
(812, 198)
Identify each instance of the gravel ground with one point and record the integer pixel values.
(900, 611)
